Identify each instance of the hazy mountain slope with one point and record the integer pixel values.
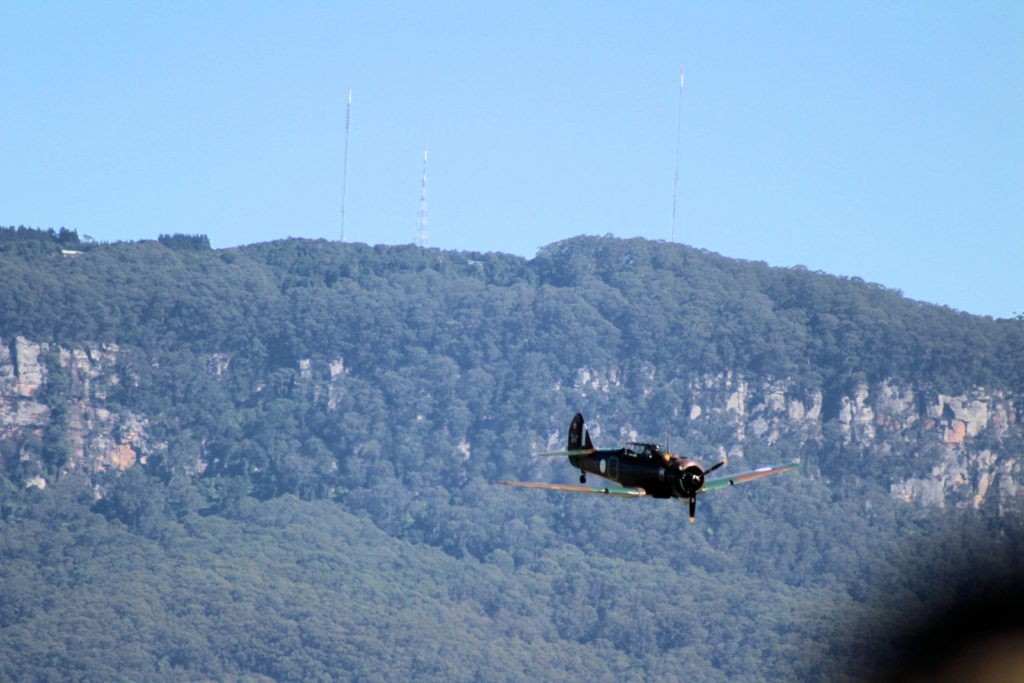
(397, 384)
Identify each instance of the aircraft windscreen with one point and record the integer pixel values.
(643, 450)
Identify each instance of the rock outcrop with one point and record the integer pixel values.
(70, 408)
(959, 443)
(925, 447)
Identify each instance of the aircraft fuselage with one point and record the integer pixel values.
(641, 469)
(642, 466)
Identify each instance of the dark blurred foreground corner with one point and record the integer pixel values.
(979, 638)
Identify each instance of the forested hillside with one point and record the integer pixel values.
(279, 460)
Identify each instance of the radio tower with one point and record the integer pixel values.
(344, 173)
(679, 131)
(421, 231)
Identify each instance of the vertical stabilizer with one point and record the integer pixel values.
(579, 439)
(577, 432)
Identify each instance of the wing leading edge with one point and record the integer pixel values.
(582, 451)
(743, 477)
(618, 491)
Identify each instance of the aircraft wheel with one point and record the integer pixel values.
(583, 478)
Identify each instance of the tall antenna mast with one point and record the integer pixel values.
(679, 132)
(421, 232)
(344, 174)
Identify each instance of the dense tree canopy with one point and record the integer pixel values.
(351, 407)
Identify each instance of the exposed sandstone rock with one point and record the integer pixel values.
(882, 420)
(99, 438)
(959, 436)
(27, 367)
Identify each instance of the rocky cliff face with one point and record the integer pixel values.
(929, 447)
(56, 394)
(925, 447)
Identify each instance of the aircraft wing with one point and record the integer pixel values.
(733, 479)
(618, 491)
(584, 451)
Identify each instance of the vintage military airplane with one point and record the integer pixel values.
(642, 469)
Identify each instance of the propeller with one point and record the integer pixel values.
(691, 480)
(715, 467)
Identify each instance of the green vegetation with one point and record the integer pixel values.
(351, 406)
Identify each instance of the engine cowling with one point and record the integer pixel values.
(691, 479)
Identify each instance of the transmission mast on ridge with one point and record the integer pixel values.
(679, 132)
(344, 173)
(421, 231)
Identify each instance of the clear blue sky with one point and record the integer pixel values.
(883, 140)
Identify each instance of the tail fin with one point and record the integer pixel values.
(579, 437)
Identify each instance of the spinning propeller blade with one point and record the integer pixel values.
(715, 467)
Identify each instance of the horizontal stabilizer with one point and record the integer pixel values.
(583, 451)
(743, 477)
(618, 491)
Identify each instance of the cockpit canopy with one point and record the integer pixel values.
(644, 450)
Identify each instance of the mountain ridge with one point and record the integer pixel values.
(178, 394)
(753, 371)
